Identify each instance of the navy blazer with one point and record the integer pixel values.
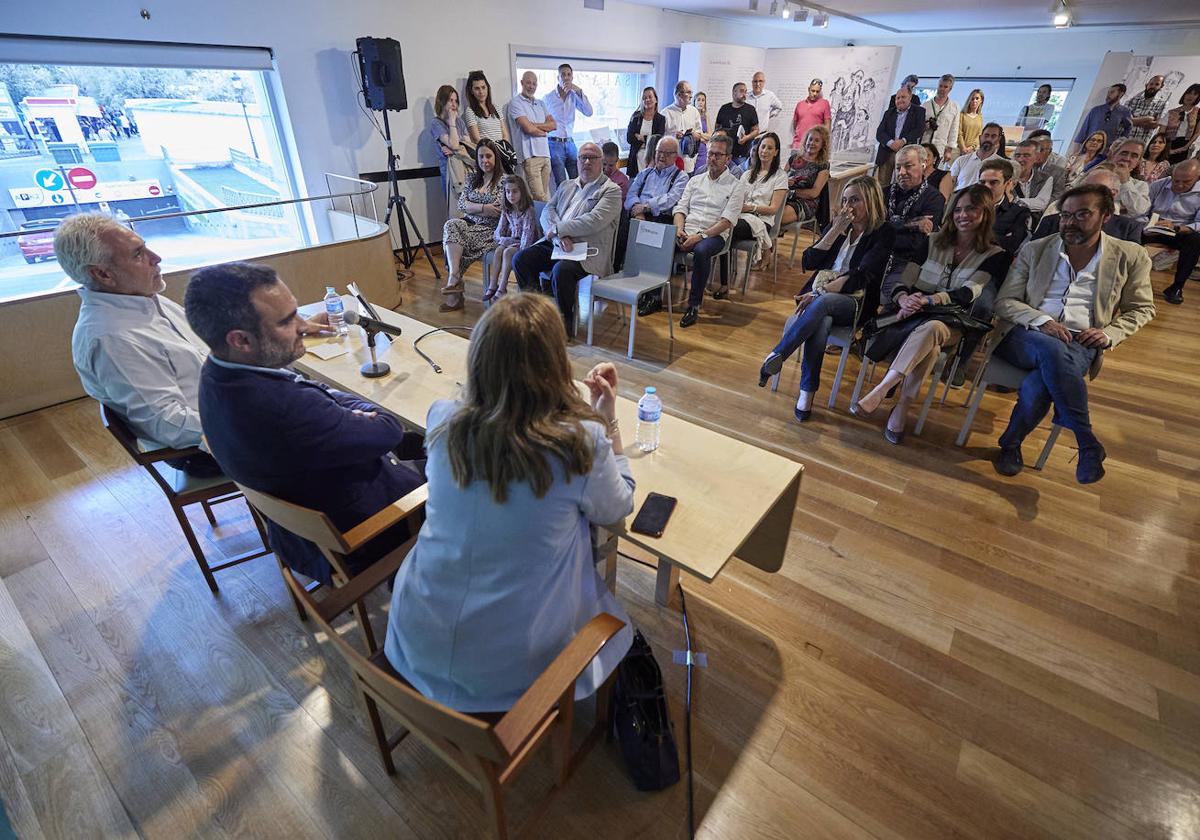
(914, 127)
(867, 264)
(299, 440)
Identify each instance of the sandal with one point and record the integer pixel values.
(452, 303)
(453, 290)
(488, 294)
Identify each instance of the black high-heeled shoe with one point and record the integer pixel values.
(770, 367)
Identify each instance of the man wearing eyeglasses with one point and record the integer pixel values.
(1113, 119)
(1067, 299)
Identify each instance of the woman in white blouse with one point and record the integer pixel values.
(501, 577)
(482, 117)
(766, 186)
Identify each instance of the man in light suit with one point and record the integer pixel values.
(583, 214)
(1067, 299)
(902, 125)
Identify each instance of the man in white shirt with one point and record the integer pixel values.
(1037, 114)
(1032, 189)
(1067, 299)
(1125, 155)
(965, 169)
(562, 103)
(683, 118)
(941, 119)
(765, 102)
(704, 216)
(531, 125)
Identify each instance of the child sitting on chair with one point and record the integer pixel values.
(518, 229)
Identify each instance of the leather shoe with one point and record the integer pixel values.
(1090, 467)
(649, 306)
(894, 438)
(802, 414)
(1009, 462)
(690, 317)
(1173, 294)
(770, 367)
(721, 293)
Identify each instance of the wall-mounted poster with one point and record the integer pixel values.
(1178, 71)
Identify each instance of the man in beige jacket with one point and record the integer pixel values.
(1067, 299)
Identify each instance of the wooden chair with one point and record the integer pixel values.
(486, 751)
(314, 526)
(182, 490)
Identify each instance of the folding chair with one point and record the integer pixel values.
(996, 371)
(842, 337)
(866, 372)
(647, 267)
(746, 246)
(819, 220)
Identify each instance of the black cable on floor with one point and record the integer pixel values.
(687, 715)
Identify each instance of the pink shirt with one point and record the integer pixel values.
(621, 180)
(807, 115)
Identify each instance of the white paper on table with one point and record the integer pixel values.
(651, 234)
(329, 350)
(578, 252)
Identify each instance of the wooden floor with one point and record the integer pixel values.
(945, 654)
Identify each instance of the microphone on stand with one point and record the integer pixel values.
(374, 368)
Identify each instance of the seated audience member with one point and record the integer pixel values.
(1155, 164)
(1176, 200)
(734, 168)
(810, 112)
(764, 188)
(1011, 228)
(483, 119)
(279, 433)
(132, 347)
(1031, 188)
(704, 217)
(1181, 125)
(739, 120)
(518, 229)
(939, 179)
(1066, 300)
(1089, 155)
(531, 127)
(612, 157)
(584, 212)
(965, 169)
(449, 132)
(656, 190)
(914, 211)
(958, 264)
(683, 121)
(501, 577)
(1109, 116)
(1118, 226)
(645, 123)
(901, 125)
(1051, 157)
(970, 123)
(808, 176)
(941, 127)
(469, 238)
(1125, 155)
(849, 259)
(1046, 165)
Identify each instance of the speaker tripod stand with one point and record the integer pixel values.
(398, 204)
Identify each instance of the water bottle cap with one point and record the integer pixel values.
(651, 390)
(329, 289)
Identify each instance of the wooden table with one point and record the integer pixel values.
(734, 499)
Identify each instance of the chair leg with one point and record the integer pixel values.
(261, 526)
(212, 520)
(837, 380)
(562, 736)
(591, 318)
(300, 611)
(493, 803)
(381, 739)
(969, 421)
(938, 366)
(1050, 441)
(194, 544)
(862, 376)
(632, 330)
(360, 609)
(795, 242)
(670, 313)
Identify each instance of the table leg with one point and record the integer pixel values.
(665, 594)
(604, 556)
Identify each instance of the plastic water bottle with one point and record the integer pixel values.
(336, 310)
(649, 420)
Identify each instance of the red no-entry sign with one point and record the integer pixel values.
(82, 178)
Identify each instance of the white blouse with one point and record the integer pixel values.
(761, 191)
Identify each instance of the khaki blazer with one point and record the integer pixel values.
(1124, 301)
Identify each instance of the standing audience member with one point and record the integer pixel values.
(1176, 200)
(702, 149)
(1067, 299)
(914, 210)
(740, 120)
(518, 229)
(956, 266)
(562, 103)
(970, 123)
(764, 188)
(1032, 189)
(469, 238)
(264, 421)
(1125, 155)
(501, 577)
(849, 258)
(1089, 155)
(532, 124)
(583, 213)
(808, 175)
(482, 117)
(1155, 164)
(1011, 228)
(1110, 117)
(1117, 226)
(811, 111)
(704, 217)
(683, 123)
(765, 102)
(941, 123)
(612, 171)
(909, 84)
(1037, 114)
(1182, 124)
(1145, 110)
(965, 169)
(449, 132)
(902, 125)
(645, 123)
(939, 179)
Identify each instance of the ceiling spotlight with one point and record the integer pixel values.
(754, 5)
(820, 19)
(1062, 16)
(800, 15)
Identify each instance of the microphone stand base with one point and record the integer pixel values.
(374, 370)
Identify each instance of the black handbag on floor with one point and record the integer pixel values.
(641, 722)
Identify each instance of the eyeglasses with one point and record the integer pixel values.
(712, 154)
(589, 157)
(1078, 215)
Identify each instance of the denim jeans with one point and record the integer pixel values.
(702, 259)
(811, 329)
(563, 161)
(529, 263)
(1057, 372)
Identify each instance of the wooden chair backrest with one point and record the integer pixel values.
(312, 525)
(453, 735)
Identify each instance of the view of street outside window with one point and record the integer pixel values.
(134, 142)
(614, 97)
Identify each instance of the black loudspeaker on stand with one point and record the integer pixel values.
(383, 90)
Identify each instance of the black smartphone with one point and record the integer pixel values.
(651, 520)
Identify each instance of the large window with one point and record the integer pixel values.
(613, 86)
(1003, 98)
(140, 141)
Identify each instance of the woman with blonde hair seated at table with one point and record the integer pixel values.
(520, 466)
(959, 262)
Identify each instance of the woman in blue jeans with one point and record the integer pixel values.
(851, 259)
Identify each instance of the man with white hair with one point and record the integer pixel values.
(683, 119)
(1176, 200)
(1125, 155)
(1117, 226)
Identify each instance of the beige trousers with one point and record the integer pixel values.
(537, 176)
(919, 351)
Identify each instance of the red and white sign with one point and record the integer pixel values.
(82, 178)
(153, 189)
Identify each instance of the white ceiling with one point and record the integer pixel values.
(880, 18)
